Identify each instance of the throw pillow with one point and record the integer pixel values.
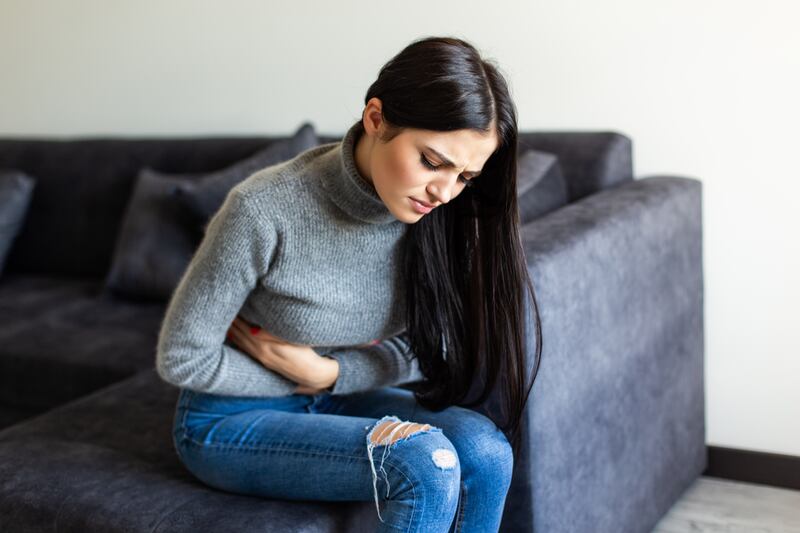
(204, 195)
(166, 216)
(156, 240)
(541, 187)
(16, 191)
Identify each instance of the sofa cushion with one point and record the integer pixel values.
(541, 187)
(16, 190)
(204, 194)
(156, 242)
(10, 415)
(61, 338)
(107, 462)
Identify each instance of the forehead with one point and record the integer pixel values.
(466, 148)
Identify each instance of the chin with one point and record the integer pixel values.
(403, 213)
(409, 217)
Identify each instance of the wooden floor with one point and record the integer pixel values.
(715, 505)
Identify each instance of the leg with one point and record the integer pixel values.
(387, 431)
(483, 452)
(278, 448)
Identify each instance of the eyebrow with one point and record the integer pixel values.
(446, 162)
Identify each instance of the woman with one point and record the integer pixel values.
(324, 282)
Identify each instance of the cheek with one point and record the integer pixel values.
(399, 173)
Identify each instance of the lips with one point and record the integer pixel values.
(426, 204)
(418, 207)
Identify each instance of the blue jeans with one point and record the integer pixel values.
(451, 476)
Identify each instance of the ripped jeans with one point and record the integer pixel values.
(451, 475)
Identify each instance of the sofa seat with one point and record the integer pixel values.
(106, 462)
(63, 338)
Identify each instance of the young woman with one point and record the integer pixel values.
(324, 282)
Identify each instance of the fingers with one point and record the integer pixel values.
(245, 325)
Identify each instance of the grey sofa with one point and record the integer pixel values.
(614, 429)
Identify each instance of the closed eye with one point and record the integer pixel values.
(427, 164)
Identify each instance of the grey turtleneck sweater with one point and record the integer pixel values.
(307, 250)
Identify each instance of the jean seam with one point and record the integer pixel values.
(460, 515)
(182, 424)
(222, 446)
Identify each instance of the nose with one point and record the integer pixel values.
(441, 188)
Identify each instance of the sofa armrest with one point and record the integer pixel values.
(615, 421)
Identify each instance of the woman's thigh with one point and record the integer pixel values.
(284, 448)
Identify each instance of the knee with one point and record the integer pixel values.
(501, 455)
(489, 453)
(390, 431)
(424, 462)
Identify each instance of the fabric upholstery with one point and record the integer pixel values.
(107, 462)
(156, 242)
(84, 185)
(540, 185)
(615, 428)
(590, 160)
(165, 217)
(62, 338)
(16, 190)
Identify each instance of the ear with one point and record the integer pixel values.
(372, 116)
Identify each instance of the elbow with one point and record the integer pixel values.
(186, 368)
(170, 369)
(166, 367)
(175, 366)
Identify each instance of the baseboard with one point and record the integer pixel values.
(773, 469)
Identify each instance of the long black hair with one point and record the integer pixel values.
(465, 268)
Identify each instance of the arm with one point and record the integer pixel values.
(388, 363)
(191, 350)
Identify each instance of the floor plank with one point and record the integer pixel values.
(713, 505)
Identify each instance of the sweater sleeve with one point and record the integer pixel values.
(191, 349)
(387, 363)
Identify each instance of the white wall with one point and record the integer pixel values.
(706, 89)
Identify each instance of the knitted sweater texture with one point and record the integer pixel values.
(308, 251)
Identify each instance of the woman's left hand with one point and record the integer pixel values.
(299, 363)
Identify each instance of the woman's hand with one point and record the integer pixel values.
(299, 363)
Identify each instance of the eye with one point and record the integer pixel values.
(435, 168)
(467, 182)
(427, 163)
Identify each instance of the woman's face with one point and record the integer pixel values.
(401, 172)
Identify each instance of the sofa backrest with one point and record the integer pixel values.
(83, 185)
(590, 161)
(82, 188)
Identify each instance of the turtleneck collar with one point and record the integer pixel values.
(352, 192)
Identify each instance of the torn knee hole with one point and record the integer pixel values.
(387, 430)
(391, 431)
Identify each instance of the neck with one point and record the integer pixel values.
(350, 189)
